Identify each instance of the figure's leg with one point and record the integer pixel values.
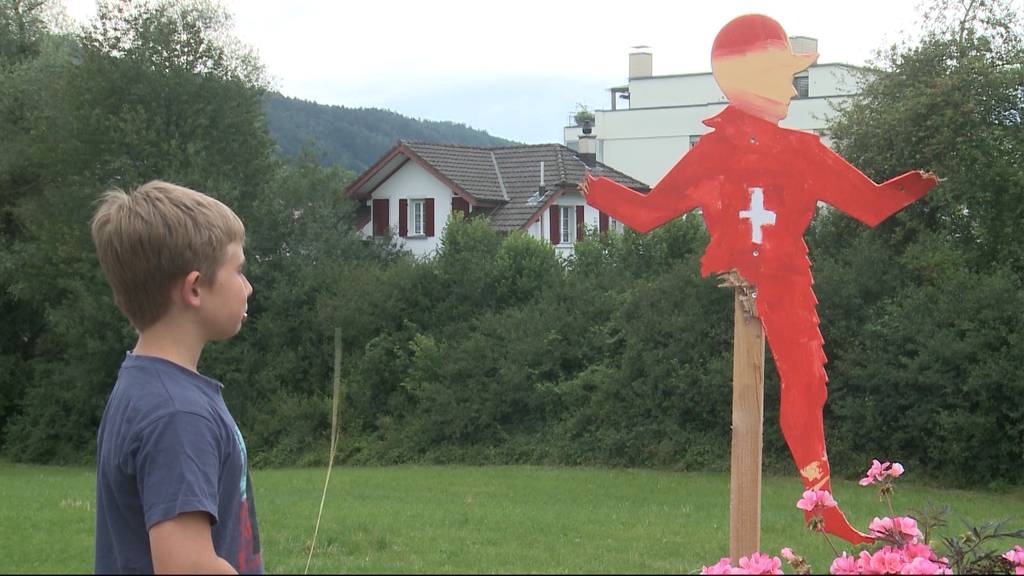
(787, 309)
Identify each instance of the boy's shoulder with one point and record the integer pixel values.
(152, 387)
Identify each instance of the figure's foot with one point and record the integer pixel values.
(837, 524)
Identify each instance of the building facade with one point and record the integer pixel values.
(411, 193)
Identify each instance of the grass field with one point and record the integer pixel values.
(470, 520)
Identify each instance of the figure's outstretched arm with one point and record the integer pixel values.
(842, 185)
(678, 192)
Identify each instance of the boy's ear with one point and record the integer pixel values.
(189, 289)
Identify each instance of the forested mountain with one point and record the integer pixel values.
(355, 138)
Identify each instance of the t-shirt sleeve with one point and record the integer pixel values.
(178, 466)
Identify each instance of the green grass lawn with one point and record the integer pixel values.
(466, 519)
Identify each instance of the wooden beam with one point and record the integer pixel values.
(747, 427)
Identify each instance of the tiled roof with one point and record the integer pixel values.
(473, 169)
(510, 175)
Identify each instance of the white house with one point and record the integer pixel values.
(665, 114)
(411, 192)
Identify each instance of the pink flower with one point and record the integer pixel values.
(756, 563)
(916, 550)
(759, 563)
(888, 560)
(816, 501)
(844, 564)
(873, 474)
(901, 528)
(724, 566)
(880, 526)
(921, 565)
(897, 470)
(787, 553)
(879, 471)
(1016, 557)
(864, 563)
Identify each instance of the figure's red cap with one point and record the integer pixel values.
(749, 33)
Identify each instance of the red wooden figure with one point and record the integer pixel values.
(758, 186)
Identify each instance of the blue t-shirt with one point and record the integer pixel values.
(167, 445)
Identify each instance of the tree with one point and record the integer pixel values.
(920, 314)
(150, 90)
(24, 26)
(952, 104)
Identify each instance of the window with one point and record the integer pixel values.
(801, 83)
(568, 220)
(694, 138)
(614, 225)
(416, 217)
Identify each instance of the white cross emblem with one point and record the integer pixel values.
(757, 215)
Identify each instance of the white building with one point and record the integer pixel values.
(412, 191)
(664, 115)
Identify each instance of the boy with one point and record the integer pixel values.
(173, 492)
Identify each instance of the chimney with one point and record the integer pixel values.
(588, 149)
(641, 62)
(803, 44)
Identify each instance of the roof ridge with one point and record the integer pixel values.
(598, 163)
(483, 148)
(501, 182)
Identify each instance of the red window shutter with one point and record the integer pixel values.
(602, 223)
(380, 217)
(555, 215)
(579, 223)
(403, 217)
(460, 205)
(428, 217)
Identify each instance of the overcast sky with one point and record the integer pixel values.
(517, 68)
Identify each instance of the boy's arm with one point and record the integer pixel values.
(842, 185)
(678, 192)
(178, 466)
(184, 545)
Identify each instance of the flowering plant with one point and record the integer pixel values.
(883, 474)
(1016, 558)
(756, 563)
(902, 543)
(816, 502)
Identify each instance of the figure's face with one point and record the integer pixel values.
(225, 302)
(760, 82)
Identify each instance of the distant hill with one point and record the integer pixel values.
(355, 138)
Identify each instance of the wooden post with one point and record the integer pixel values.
(747, 427)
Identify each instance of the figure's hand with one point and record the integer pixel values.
(584, 185)
(913, 184)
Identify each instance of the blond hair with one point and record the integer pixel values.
(154, 236)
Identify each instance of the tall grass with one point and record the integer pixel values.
(465, 519)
